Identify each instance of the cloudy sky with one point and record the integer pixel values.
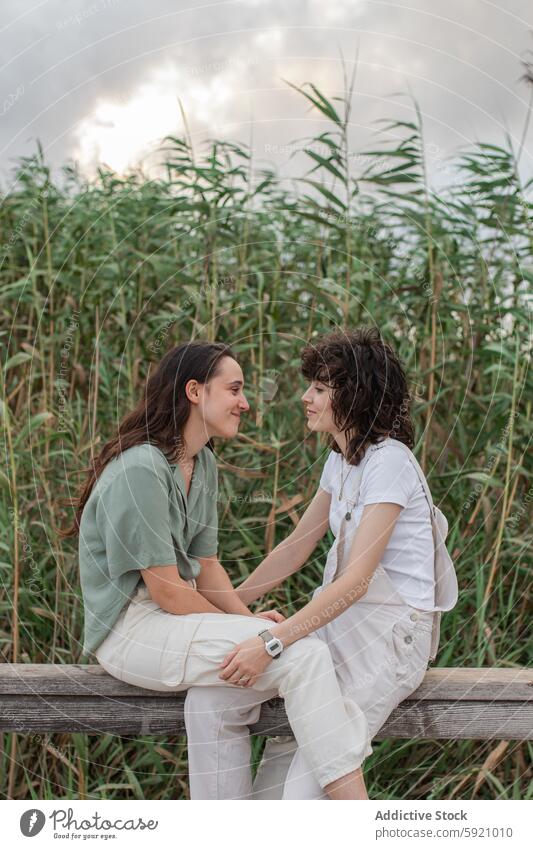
(102, 81)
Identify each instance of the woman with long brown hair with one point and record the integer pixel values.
(160, 610)
(387, 575)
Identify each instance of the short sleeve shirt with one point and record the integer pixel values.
(390, 477)
(139, 515)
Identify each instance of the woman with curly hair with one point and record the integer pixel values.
(378, 609)
(160, 610)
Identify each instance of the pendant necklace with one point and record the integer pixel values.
(348, 514)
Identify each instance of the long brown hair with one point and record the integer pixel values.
(370, 398)
(160, 414)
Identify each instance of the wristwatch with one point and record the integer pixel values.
(273, 645)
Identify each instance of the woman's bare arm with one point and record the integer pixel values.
(214, 593)
(369, 543)
(214, 584)
(173, 594)
(291, 554)
(249, 660)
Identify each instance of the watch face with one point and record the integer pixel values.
(274, 647)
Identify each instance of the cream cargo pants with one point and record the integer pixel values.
(151, 648)
(380, 648)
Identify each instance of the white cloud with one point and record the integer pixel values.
(226, 61)
(122, 132)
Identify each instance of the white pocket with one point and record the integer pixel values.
(410, 642)
(172, 665)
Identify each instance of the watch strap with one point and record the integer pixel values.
(267, 636)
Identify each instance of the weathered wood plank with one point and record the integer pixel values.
(480, 704)
(440, 684)
(145, 715)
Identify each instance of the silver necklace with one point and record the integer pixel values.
(348, 515)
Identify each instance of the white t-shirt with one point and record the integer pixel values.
(389, 476)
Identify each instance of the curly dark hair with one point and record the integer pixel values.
(160, 414)
(370, 398)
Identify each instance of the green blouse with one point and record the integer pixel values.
(138, 515)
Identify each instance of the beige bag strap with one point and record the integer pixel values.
(427, 492)
(435, 633)
(421, 475)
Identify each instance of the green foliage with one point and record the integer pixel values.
(98, 279)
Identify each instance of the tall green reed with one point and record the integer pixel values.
(99, 278)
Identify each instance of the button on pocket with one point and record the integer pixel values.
(402, 645)
(410, 643)
(403, 633)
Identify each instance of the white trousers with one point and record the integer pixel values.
(151, 648)
(380, 647)
(380, 654)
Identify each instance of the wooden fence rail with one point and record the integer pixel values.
(483, 704)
